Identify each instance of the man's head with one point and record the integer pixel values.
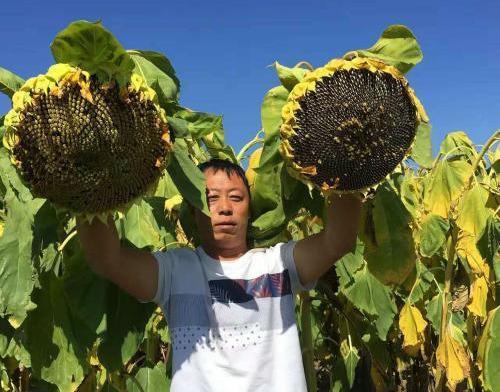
(228, 198)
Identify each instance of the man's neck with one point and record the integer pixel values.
(225, 254)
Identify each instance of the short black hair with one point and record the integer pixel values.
(229, 167)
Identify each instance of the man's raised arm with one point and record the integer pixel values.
(133, 270)
(315, 255)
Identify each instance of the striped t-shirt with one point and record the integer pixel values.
(232, 323)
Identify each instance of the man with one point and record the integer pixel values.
(230, 310)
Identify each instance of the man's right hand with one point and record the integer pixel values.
(135, 271)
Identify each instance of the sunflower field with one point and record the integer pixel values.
(416, 306)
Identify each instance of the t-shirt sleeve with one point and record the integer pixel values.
(286, 255)
(162, 294)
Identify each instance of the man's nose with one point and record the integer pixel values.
(225, 207)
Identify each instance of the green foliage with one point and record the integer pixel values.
(56, 354)
(166, 88)
(422, 148)
(373, 298)
(16, 269)
(140, 226)
(85, 293)
(271, 122)
(457, 143)
(93, 48)
(55, 312)
(444, 186)
(489, 241)
(289, 77)
(9, 82)
(195, 124)
(389, 247)
(16, 272)
(489, 352)
(126, 319)
(430, 234)
(422, 282)
(161, 62)
(149, 380)
(468, 232)
(188, 178)
(433, 234)
(474, 213)
(267, 204)
(397, 46)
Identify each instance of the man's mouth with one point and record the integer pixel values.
(224, 225)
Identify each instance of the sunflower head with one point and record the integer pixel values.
(348, 124)
(88, 147)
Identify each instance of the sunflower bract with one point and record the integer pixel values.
(86, 146)
(349, 124)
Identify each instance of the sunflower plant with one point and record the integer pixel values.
(102, 134)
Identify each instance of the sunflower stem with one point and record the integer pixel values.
(448, 277)
(66, 240)
(495, 137)
(249, 145)
(307, 341)
(304, 64)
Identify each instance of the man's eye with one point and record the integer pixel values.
(212, 197)
(236, 198)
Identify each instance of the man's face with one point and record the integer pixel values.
(229, 205)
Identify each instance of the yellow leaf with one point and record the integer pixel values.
(452, 357)
(479, 295)
(15, 322)
(412, 325)
(173, 203)
(467, 249)
(253, 163)
(444, 186)
(472, 211)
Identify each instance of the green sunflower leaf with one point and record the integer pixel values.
(9, 82)
(93, 48)
(271, 122)
(432, 234)
(489, 352)
(188, 178)
(56, 355)
(373, 298)
(149, 379)
(386, 232)
(289, 77)
(397, 46)
(195, 124)
(422, 147)
(16, 269)
(162, 83)
(160, 61)
(126, 319)
(140, 227)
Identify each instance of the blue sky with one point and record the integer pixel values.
(221, 49)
